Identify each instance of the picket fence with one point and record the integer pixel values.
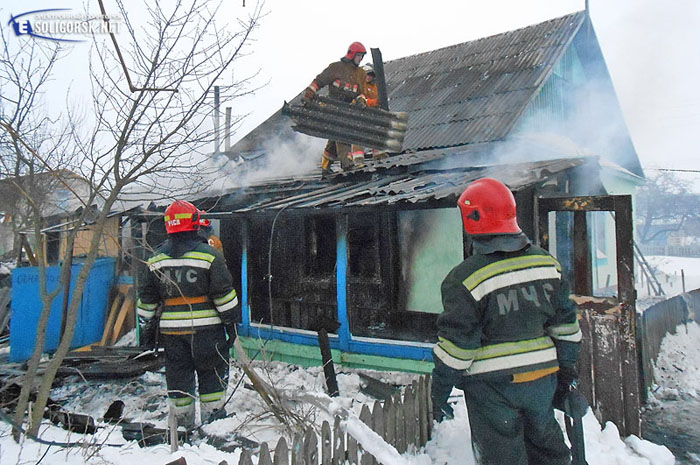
(403, 421)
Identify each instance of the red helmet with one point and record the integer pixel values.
(181, 216)
(203, 222)
(488, 207)
(354, 49)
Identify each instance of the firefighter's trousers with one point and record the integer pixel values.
(513, 423)
(205, 352)
(336, 151)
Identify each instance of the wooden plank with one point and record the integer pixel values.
(416, 416)
(126, 309)
(390, 422)
(310, 447)
(245, 458)
(338, 443)
(422, 412)
(264, 455)
(352, 451)
(298, 450)
(281, 452)
(400, 424)
(409, 402)
(366, 418)
(326, 444)
(116, 305)
(378, 418)
(429, 404)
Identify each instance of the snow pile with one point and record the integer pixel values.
(676, 370)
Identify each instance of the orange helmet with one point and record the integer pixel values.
(354, 49)
(181, 216)
(488, 207)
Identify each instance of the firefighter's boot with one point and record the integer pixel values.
(211, 411)
(184, 413)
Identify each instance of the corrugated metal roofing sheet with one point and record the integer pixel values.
(388, 189)
(474, 92)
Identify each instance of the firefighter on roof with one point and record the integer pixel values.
(346, 82)
(508, 338)
(372, 94)
(191, 282)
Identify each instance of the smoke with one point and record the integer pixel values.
(279, 157)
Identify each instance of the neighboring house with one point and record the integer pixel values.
(533, 107)
(58, 193)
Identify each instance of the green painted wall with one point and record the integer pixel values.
(430, 244)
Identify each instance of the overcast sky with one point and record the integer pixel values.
(651, 48)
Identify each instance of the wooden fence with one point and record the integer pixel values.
(403, 421)
(661, 319)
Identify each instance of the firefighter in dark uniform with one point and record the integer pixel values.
(346, 82)
(191, 282)
(508, 338)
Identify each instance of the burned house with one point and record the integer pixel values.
(368, 249)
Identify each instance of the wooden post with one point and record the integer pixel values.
(583, 283)
(682, 280)
(328, 368)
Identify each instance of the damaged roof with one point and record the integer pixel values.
(462, 94)
(398, 189)
(475, 91)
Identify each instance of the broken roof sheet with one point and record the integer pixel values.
(386, 189)
(475, 91)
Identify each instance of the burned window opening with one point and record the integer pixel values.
(363, 246)
(320, 235)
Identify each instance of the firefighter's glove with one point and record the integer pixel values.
(567, 379)
(149, 333)
(443, 412)
(230, 333)
(575, 405)
(309, 95)
(361, 101)
(443, 380)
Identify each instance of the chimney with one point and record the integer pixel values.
(379, 76)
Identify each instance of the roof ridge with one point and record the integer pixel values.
(491, 37)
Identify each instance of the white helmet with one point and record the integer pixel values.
(369, 69)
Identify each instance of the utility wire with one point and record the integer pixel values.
(676, 170)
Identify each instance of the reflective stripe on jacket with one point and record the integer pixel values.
(195, 289)
(507, 313)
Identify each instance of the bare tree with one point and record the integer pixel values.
(665, 204)
(145, 136)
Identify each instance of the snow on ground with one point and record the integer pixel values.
(145, 401)
(677, 371)
(668, 272)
